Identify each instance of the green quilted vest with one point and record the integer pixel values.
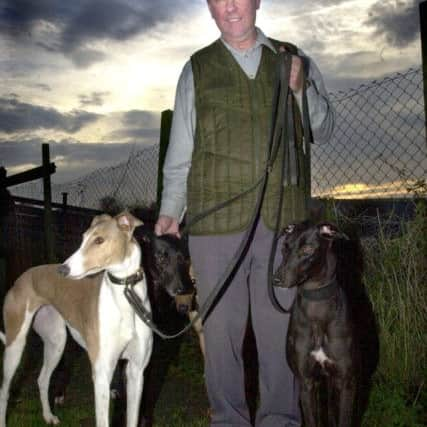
(232, 135)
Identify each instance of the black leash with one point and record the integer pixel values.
(290, 170)
(279, 135)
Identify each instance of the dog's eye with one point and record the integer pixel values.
(306, 250)
(99, 241)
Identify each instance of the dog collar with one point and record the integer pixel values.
(320, 294)
(129, 280)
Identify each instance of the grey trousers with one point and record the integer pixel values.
(225, 326)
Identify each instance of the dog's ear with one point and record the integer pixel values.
(99, 218)
(128, 222)
(329, 231)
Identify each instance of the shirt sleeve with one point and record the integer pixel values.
(179, 153)
(321, 111)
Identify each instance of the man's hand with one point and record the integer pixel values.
(166, 225)
(296, 77)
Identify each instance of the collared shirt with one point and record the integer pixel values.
(181, 142)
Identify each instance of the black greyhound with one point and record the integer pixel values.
(332, 332)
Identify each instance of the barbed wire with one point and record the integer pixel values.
(378, 150)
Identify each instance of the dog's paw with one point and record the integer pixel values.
(51, 420)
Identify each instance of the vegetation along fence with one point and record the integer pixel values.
(378, 150)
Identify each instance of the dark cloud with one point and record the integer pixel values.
(317, 4)
(134, 134)
(18, 16)
(95, 98)
(104, 153)
(83, 58)
(52, 46)
(298, 9)
(106, 19)
(13, 154)
(42, 86)
(137, 125)
(16, 116)
(73, 158)
(81, 22)
(395, 20)
(11, 95)
(141, 118)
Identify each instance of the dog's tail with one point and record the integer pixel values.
(3, 338)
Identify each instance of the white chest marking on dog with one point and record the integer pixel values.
(320, 356)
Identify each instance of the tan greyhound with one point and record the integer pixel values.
(94, 309)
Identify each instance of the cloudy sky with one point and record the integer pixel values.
(91, 77)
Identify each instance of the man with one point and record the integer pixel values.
(217, 149)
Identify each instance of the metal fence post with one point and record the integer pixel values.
(165, 128)
(48, 218)
(423, 31)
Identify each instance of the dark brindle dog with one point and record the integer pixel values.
(168, 260)
(167, 265)
(329, 318)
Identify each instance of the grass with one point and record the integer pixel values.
(400, 302)
(182, 400)
(396, 279)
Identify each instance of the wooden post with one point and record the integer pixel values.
(48, 217)
(423, 31)
(64, 200)
(165, 129)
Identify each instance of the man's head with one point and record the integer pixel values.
(235, 20)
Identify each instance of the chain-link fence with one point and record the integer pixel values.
(378, 150)
(379, 144)
(133, 183)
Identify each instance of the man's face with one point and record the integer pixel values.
(235, 19)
